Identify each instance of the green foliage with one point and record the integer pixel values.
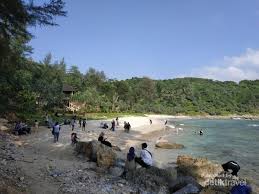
(30, 86)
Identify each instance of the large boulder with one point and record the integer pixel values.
(106, 157)
(153, 179)
(167, 145)
(184, 184)
(188, 189)
(97, 152)
(88, 149)
(201, 169)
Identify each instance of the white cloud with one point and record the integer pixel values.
(234, 68)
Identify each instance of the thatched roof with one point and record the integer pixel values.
(68, 88)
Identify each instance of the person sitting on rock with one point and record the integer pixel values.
(130, 164)
(103, 140)
(231, 165)
(145, 159)
(74, 138)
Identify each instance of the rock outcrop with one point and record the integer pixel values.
(167, 145)
(201, 169)
(184, 184)
(106, 157)
(3, 124)
(95, 151)
(88, 149)
(154, 179)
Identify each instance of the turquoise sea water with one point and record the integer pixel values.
(223, 140)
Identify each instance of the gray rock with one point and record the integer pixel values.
(201, 169)
(106, 157)
(167, 145)
(182, 182)
(188, 189)
(116, 171)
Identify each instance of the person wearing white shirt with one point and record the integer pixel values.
(145, 159)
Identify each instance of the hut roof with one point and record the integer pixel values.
(68, 88)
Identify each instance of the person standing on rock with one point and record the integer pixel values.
(145, 159)
(56, 130)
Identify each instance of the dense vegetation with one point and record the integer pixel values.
(29, 86)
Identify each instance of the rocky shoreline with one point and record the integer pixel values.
(30, 164)
(192, 175)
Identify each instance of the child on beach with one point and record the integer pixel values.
(36, 124)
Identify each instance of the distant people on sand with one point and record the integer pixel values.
(55, 132)
(117, 121)
(73, 122)
(36, 124)
(74, 138)
(104, 125)
(103, 140)
(231, 165)
(150, 121)
(80, 122)
(127, 126)
(47, 119)
(113, 125)
(83, 124)
(145, 159)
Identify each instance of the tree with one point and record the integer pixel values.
(94, 78)
(15, 17)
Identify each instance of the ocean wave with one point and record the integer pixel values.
(253, 125)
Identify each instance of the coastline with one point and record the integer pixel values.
(232, 116)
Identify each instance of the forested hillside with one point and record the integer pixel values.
(36, 86)
(30, 86)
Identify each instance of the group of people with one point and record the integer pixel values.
(81, 122)
(127, 126)
(115, 123)
(144, 160)
(21, 128)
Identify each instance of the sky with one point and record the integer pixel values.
(161, 39)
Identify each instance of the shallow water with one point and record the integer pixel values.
(223, 140)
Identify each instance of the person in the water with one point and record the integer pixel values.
(201, 132)
(231, 165)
